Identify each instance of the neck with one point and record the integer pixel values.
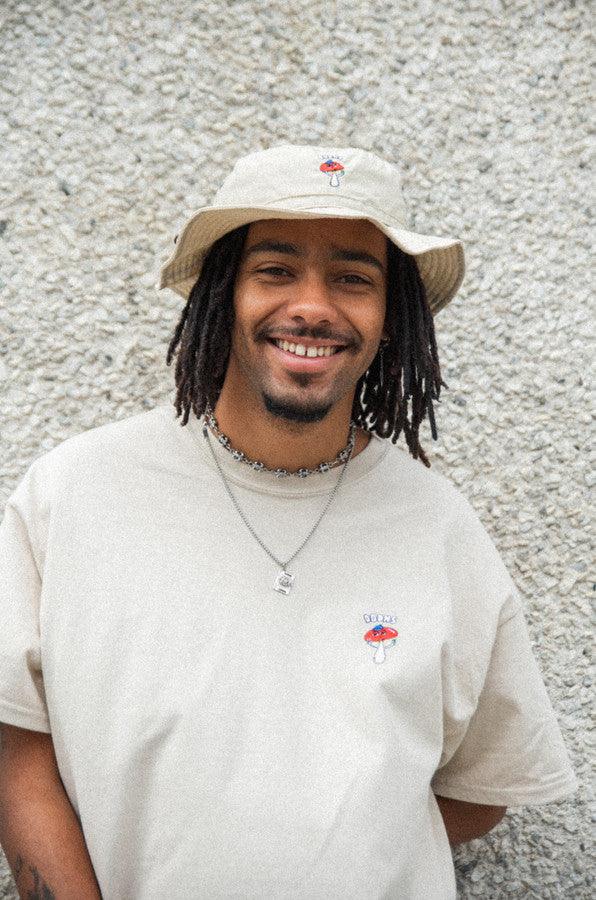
(280, 443)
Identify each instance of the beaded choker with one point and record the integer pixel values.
(257, 466)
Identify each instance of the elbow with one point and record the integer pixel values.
(468, 821)
(490, 818)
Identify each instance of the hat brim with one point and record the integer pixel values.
(440, 260)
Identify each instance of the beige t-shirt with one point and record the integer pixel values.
(220, 739)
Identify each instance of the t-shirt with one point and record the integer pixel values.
(219, 738)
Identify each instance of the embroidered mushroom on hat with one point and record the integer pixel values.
(379, 637)
(333, 168)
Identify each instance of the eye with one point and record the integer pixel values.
(273, 270)
(359, 279)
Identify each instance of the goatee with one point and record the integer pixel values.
(294, 412)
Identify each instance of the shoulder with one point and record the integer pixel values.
(417, 485)
(465, 551)
(110, 446)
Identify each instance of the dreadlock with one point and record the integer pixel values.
(382, 393)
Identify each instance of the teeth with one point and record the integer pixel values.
(301, 350)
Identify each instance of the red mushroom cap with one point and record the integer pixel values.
(380, 633)
(331, 165)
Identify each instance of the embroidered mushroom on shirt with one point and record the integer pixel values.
(333, 168)
(379, 637)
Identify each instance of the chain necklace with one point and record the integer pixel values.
(284, 579)
(239, 456)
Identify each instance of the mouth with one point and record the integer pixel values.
(310, 351)
(306, 357)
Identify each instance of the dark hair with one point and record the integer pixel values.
(410, 368)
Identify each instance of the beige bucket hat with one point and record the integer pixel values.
(304, 182)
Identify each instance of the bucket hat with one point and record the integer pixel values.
(303, 182)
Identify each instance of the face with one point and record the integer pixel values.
(309, 305)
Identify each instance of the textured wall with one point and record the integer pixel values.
(122, 118)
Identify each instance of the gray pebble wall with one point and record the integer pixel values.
(120, 118)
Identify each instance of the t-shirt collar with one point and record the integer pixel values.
(319, 483)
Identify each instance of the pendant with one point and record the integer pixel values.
(283, 582)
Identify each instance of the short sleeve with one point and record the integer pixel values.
(22, 695)
(512, 751)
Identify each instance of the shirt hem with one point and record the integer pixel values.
(561, 787)
(11, 714)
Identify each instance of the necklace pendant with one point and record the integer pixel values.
(283, 582)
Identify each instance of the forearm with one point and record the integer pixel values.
(466, 821)
(44, 845)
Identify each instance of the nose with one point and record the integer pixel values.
(312, 302)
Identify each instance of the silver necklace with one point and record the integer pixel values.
(239, 456)
(284, 579)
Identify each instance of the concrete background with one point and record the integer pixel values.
(123, 117)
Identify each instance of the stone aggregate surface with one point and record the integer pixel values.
(120, 118)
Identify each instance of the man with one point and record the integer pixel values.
(269, 654)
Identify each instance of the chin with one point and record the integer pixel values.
(292, 411)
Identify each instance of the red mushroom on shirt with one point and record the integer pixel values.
(379, 637)
(333, 168)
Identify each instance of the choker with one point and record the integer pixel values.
(257, 466)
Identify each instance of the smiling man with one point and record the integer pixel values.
(309, 308)
(269, 653)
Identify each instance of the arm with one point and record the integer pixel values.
(39, 831)
(466, 821)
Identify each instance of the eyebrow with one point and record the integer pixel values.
(339, 253)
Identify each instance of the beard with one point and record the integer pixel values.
(292, 411)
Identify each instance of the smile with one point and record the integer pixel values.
(312, 360)
(301, 350)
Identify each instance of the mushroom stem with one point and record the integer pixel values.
(379, 656)
(334, 180)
